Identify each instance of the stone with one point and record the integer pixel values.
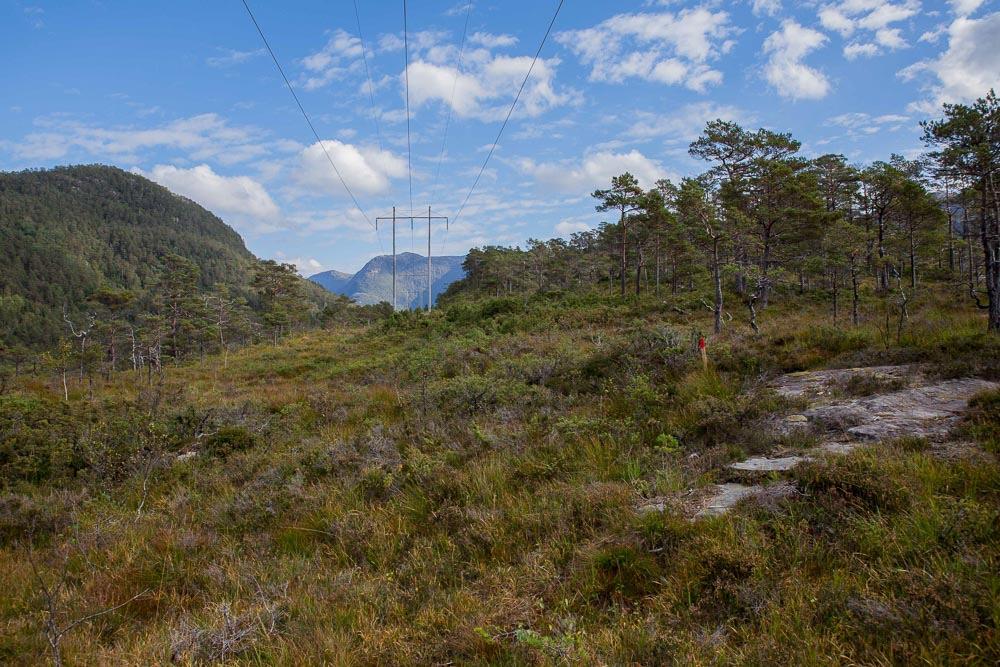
(653, 505)
(765, 464)
(929, 411)
(725, 497)
(817, 383)
(839, 448)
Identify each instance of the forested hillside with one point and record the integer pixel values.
(66, 233)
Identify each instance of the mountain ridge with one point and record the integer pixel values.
(372, 284)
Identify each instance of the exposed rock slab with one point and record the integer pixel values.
(812, 384)
(928, 411)
(726, 496)
(766, 464)
(919, 410)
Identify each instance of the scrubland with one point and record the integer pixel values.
(461, 488)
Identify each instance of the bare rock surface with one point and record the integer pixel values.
(766, 464)
(816, 384)
(726, 496)
(928, 411)
(916, 407)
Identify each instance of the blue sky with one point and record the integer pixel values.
(182, 92)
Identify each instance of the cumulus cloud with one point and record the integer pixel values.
(341, 52)
(366, 170)
(661, 47)
(965, 7)
(966, 70)
(593, 171)
(239, 199)
(486, 86)
(869, 22)
(787, 48)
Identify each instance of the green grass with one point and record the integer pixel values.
(461, 488)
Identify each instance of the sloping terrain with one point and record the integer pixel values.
(462, 488)
(66, 232)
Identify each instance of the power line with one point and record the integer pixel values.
(371, 86)
(304, 114)
(451, 102)
(409, 149)
(510, 111)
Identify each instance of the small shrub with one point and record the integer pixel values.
(376, 484)
(857, 480)
(228, 440)
(982, 423)
(622, 571)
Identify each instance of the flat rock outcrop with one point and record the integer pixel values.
(913, 406)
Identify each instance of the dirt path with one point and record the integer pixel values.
(902, 402)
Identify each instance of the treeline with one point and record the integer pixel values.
(176, 321)
(115, 329)
(762, 216)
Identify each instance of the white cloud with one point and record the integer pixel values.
(887, 13)
(682, 125)
(567, 228)
(965, 7)
(233, 57)
(306, 266)
(870, 21)
(966, 70)
(593, 171)
(341, 52)
(486, 86)
(241, 197)
(855, 50)
(890, 38)
(785, 69)
(365, 169)
(202, 137)
(663, 47)
(490, 41)
(833, 19)
(766, 7)
(863, 124)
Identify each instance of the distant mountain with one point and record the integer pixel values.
(373, 283)
(333, 281)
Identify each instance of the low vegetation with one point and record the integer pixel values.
(462, 487)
